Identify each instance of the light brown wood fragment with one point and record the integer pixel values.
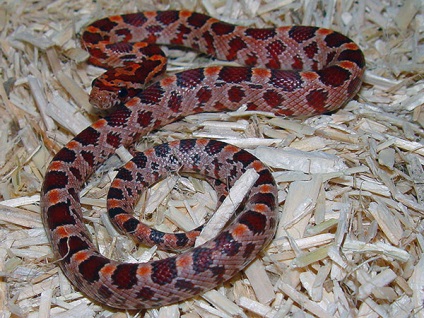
(260, 282)
(298, 208)
(387, 221)
(304, 302)
(416, 172)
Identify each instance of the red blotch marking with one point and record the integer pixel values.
(167, 17)
(125, 276)
(146, 293)
(58, 215)
(302, 33)
(203, 95)
(235, 74)
(108, 24)
(284, 112)
(335, 39)
(330, 58)
(252, 106)
(251, 60)
(311, 50)
(256, 222)
(210, 43)
(236, 94)
(202, 259)
(125, 33)
(354, 56)
(149, 153)
(236, 44)
(190, 78)
(196, 19)
(297, 63)
(260, 34)
(130, 166)
(89, 136)
(68, 246)
(91, 36)
(76, 173)
(317, 99)
(164, 271)
(265, 177)
(152, 38)
(226, 243)
(88, 157)
(249, 249)
(145, 118)
(55, 180)
(91, 30)
(275, 49)
(287, 80)
(113, 140)
(181, 35)
(174, 102)
(97, 56)
(135, 19)
(218, 106)
(221, 28)
(154, 31)
(334, 76)
(272, 98)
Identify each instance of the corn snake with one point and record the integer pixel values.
(295, 71)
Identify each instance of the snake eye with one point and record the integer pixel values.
(122, 93)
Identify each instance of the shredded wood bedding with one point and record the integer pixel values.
(351, 184)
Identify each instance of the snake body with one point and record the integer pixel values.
(296, 71)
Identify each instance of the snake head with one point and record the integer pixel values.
(107, 94)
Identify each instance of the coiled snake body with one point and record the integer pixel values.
(297, 71)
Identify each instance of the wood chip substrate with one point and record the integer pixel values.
(351, 184)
